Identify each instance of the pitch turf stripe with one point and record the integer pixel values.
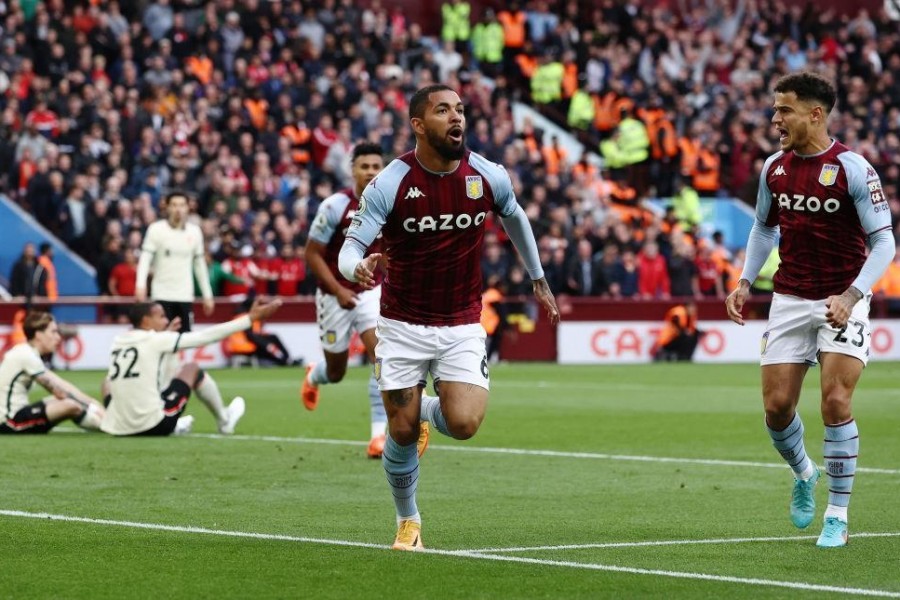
(744, 540)
(462, 554)
(527, 452)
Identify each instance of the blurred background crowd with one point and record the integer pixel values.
(253, 106)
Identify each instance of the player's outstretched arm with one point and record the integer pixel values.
(545, 297)
(260, 311)
(264, 308)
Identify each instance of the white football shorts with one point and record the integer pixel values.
(336, 324)
(797, 331)
(406, 353)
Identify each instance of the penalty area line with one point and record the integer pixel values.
(461, 554)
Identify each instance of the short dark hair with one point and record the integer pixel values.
(419, 100)
(138, 311)
(809, 86)
(44, 247)
(36, 320)
(175, 194)
(365, 149)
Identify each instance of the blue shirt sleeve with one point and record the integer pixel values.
(764, 195)
(500, 183)
(864, 186)
(376, 203)
(328, 218)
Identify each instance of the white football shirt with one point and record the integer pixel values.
(136, 373)
(172, 252)
(20, 365)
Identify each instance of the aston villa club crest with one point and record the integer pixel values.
(829, 174)
(474, 187)
(330, 337)
(377, 369)
(763, 343)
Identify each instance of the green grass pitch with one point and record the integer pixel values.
(584, 482)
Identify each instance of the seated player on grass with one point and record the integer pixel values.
(137, 402)
(22, 365)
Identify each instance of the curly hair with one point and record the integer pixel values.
(809, 87)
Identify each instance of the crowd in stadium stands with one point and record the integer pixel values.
(253, 106)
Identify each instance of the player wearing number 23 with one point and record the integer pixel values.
(828, 205)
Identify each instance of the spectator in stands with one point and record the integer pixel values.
(45, 274)
(21, 278)
(585, 275)
(653, 274)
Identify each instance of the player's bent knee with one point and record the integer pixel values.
(404, 435)
(465, 427)
(336, 373)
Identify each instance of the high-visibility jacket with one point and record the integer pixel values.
(570, 79)
(553, 157)
(490, 318)
(661, 131)
(586, 170)
(51, 282)
(608, 110)
(527, 65)
(201, 68)
(690, 154)
(706, 174)
(889, 284)
(687, 208)
(300, 137)
(633, 141)
(677, 321)
(17, 332)
(258, 111)
(487, 42)
(546, 83)
(456, 25)
(581, 110)
(513, 28)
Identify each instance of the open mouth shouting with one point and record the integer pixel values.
(455, 135)
(782, 134)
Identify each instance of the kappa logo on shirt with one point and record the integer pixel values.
(779, 170)
(414, 192)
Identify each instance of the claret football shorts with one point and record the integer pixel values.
(797, 331)
(406, 353)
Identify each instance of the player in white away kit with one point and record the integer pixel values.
(828, 204)
(21, 366)
(342, 306)
(140, 400)
(174, 249)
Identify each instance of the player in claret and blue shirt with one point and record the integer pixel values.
(828, 204)
(430, 205)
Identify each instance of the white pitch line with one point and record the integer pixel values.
(461, 554)
(528, 452)
(743, 540)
